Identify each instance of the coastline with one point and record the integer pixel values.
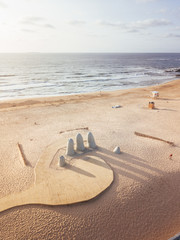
(39, 101)
(61, 74)
(143, 201)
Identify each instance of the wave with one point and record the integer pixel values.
(7, 75)
(78, 74)
(54, 75)
(173, 70)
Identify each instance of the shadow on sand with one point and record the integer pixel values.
(124, 164)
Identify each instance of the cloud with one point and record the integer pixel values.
(49, 26)
(28, 30)
(111, 24)
(76, 22)
(137, 25)
(150, 23)
(36, 22)
(32, 20)
(3, 5)
(118, 25)
(132, 30)
(93, 35)
(172, 35)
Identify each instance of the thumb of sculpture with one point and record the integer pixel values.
(62, 162)
(91, 141)
(79, 143)
(70, 147)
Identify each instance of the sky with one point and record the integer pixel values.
(89, 26)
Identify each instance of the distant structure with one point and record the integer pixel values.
(62, 161)
(70, 147)
(79, 143)
(117, 150)
(155, 94)
(91, 141)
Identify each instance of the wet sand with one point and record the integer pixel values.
(143, 201)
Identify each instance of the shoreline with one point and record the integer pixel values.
(143, 200)
(35, 101)
(91, 92)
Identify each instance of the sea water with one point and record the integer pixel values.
(25, 75)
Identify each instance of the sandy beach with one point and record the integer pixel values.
(143, 200)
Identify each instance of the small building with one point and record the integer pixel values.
(155, 94)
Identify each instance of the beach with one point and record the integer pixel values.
(141, 203)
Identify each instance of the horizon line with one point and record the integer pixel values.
(34, 52)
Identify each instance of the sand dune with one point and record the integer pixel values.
(143, 201)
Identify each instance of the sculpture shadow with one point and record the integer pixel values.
(168, 99)
(165, 109)
(78, 170)
(124, 164)
(95, 161)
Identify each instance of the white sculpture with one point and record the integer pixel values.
(117, 150)
(62, 162)
(79, 143)
(70, 147)
(91, 141)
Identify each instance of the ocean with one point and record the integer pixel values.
(26, 75)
